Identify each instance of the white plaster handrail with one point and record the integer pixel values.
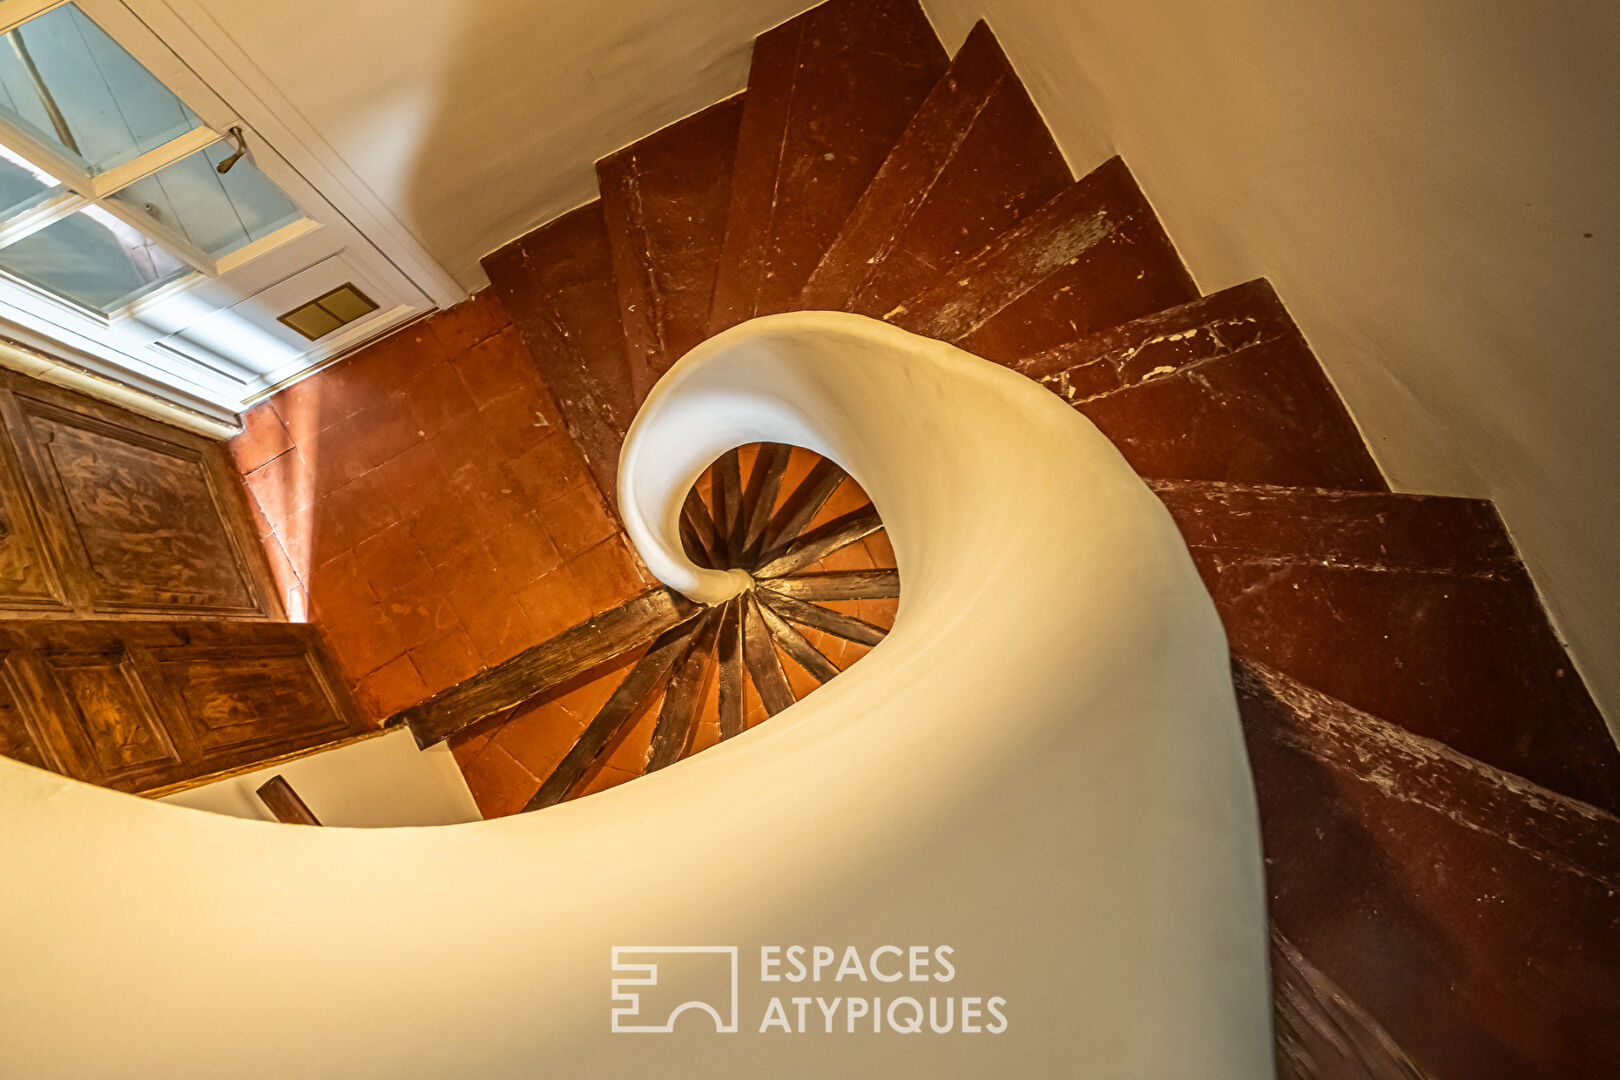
(1040, 767)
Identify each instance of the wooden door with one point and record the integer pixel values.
(104, 514)
(141, 645)
(140, 706)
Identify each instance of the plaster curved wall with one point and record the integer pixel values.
(1040, 767)
(1430, 187)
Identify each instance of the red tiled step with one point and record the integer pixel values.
(829, 92)
(557, 285)
(1411, 607)
(1093, 257)
(974, 160)
(1222, 388)
(664, 202)
(1472, 913)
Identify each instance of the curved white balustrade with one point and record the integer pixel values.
(1041, 768)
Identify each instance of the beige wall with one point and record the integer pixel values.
(375, 783)
(1418, 180)
(476, 120)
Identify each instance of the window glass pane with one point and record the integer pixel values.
(217, 212)
(23, 185)
(93, 258)
(71, 86)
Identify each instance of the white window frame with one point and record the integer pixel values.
(85, 189)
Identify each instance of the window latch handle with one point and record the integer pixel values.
(235, 135)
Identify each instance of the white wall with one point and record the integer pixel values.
(1419, 181)
(1045, 776)
(476, 120)
(377, 782)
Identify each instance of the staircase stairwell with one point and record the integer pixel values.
(1438, 790)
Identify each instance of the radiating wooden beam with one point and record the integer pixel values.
(550, 663)
(839, 585)
(798, 646)
(725, 498)
(832, 622)
(764, 667)
(697, 527)
(759, 499)
(683, 700)
(284, 802)
(640, 684)
(729, 657)
(802, 504)
(822, 541)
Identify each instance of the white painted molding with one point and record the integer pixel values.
(198, 39)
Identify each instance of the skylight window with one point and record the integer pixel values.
(110, 186)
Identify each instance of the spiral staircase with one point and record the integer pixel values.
(1433, 778)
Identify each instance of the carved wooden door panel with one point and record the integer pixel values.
(141, 645)
(139, 706)
(108, 515)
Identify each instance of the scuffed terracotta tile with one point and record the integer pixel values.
(557, 285)
(391, 559)
(577, 521)
(302, 411)
(338, 588)
(446, 660)
(281, 568)
(523, 550)
(879, 548)
(604, 779)
(547, 472)
(553, 603)
(282, 486)
(539, 738)
(353, 513)
(385, 428)
(446, 533)
(515, 423)
(364, 641)
(413, 478)
(498, 367)
(297, 537)
(394, 686)
(499, 785)
(462, 327)
(497, 630)
(852, 557)
(606, 575)
(263, 437)
(336, 457)
(421, 610)
(437, 396)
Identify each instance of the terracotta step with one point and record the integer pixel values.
(1414, 608)
(557, 285)
(1470, 912)
(664, 202)
(1093, 257)
(829, 92)
(975, 159)
(1222, 388)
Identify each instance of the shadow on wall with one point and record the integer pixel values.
(531, 98)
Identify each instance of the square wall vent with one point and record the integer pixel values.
(325, 313)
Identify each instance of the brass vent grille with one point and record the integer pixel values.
(329, 311)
